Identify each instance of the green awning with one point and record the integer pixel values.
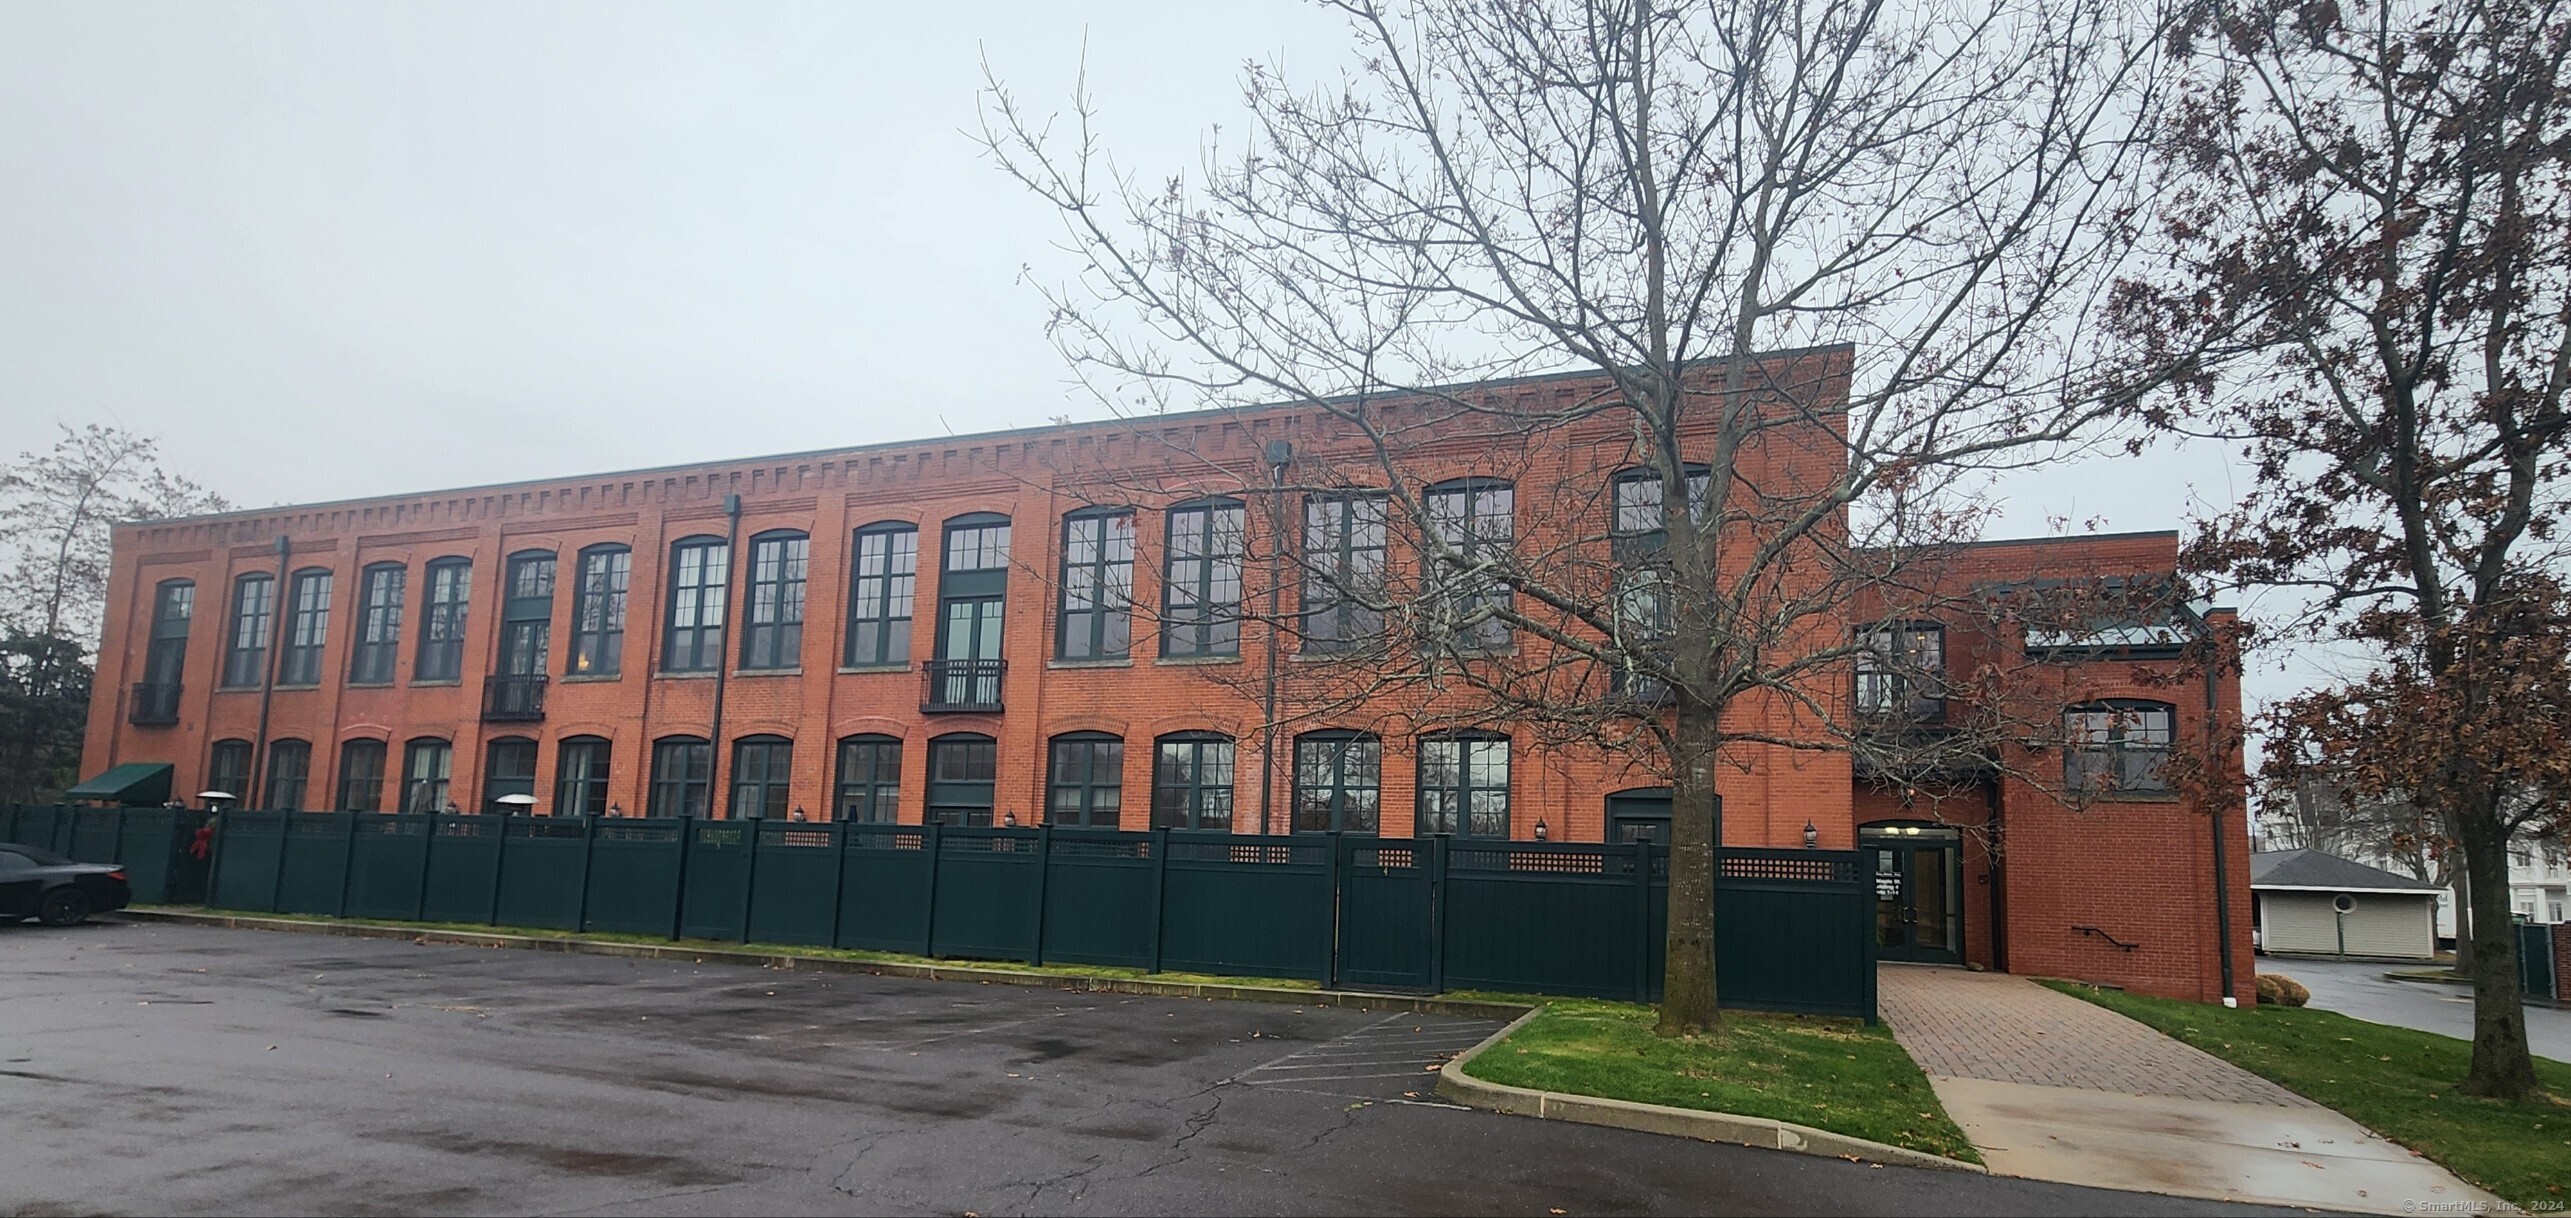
(135, 784)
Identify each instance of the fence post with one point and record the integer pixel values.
(929, 836)
(1437, 914)
(678, 892)
(838, 876)
(285, 833)
(214, 866)
(116, 850)
(1330, 924)
(1641, 918)
(499, 869)
(1160, 887)
(428, 851)
(347, 861)
(1044, 864)
(749, 871)
(588, 852)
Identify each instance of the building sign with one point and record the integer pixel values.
(1887, 885)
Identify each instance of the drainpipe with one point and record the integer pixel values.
(2222, 873)
(277, 610)
(723, 658)
(1278, 453)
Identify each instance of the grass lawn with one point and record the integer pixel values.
(2395, 1081)
(1834, 1074)
(785, 949)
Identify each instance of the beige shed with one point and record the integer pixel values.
(2307, 903)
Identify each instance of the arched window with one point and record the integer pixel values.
(1201, 588)
(762, 777)
(289, 772)
(1474, 522)
(963, 772)
(1343, 561)
(379, 624)
(682, 768)
(1192, 781)
(580, 776)
(156, 700)
(870, 780)
(700, 581)
(227, 769)
(361, 776)
(598, 613)
(427, 765)
(881, 583)
(972, 599)
(772, 637)
(1096, 621)
(1901, 672)
(1085, 780)
(526, 615)
(307, 627)
(1338, 782)
(245, 661)
(1463, 785)
(2119, 746)
(449, 590)
(1640, 508)
(509, 768)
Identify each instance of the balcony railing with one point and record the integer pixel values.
(155, 704)
(514, 698)
(960, 686)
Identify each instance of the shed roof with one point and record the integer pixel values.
(2311, 870)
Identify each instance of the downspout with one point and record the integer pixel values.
(1278, 454)
(1999, 873)
(723, 657)
(277, 611)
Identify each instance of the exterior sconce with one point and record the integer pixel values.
(1540, 830)
(616, 810)
(799, 814)
(1811, 836)
(1009, 819)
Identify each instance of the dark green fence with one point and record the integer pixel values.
(1793, 928)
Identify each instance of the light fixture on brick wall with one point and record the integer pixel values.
(1540, 830)
(1811, 836)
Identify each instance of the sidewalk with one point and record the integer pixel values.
(2053, 1088)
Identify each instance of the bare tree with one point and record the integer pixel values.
(1919, 204)
(56, 511)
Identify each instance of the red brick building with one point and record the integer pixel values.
(939, 629)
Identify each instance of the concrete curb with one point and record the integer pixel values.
(787, 961)
(1762, 1132)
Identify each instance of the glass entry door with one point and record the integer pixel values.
(1919, 893)
(970, 631)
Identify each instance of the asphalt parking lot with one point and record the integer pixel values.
(155, 1068)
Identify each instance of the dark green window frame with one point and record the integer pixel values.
(580, 776)
(682, 776)
(700, 584)
(1202, 555)
(772, 634)
(1476, 520)
(1463, 785)
(963, 774)
(870, 780)
(1338, 782)
(2118, 746)
(446, 593)
(1343, 563)
(245, 661)
(1085, 780)
(598, 611)
(1192, 781)
(428, 769)
(883, 582)
(289, 775)
(361, 775)
(378, 647)
(762, 778)
(307, 628)
(1096, 617)
(508, 768)
(227, 769)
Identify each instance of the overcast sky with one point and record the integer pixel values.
(332, 250)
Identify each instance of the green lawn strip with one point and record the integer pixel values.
(780, 949)
(1833, 1074)
(2395, 1081)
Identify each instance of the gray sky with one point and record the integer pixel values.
(331, 250)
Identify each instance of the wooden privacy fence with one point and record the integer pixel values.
(1794, 928)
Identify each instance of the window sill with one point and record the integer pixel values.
(850, 669)
(1124, 662)
(796, 671)
(282, 688)
(236, 689)
(1329, 657)
(2121, 797)
(1194, 661)
(369, 685)
(449, 682)
(589, 678)
(707, 675)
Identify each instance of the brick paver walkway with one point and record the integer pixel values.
(2006, 1029)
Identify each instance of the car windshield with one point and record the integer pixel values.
(43, 858)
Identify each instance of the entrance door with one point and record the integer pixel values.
(1639, 816)
(1919, 893)
(970, 631)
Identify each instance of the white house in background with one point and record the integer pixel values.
(2306, 903)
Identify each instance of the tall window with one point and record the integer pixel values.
(426, 767)
(361, 775)
(379, 624)
(1338, 782)
(2118, 747)
(509, 769)
(700, 576)
(1201, 596)
(1642, 631)
(963, 770)
(1640, 511)
(773, 637)
(1097, 618)
(1192, 782)
(1901, 671)
(972, 596)
(580, 777)
(307, 625)
(1475, 520)
(1085, 784)
(227, 769)
(598, 616)
(979, 542)
(245, 662)
(1343, 557)
(289, 772)
(879, 595)
(173, 604)
(762, 777)
(870, 779)
(449, 582)
(1463, 786)
(682, 771)
(526, 617)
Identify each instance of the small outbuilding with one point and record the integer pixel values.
(2307, 903)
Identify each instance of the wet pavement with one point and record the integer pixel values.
(154, 1068)
(2358, 989)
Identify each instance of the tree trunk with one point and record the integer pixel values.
(2463, 921)
(2502, 1068)
(1688, 1002)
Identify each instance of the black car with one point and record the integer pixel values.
(43, 885)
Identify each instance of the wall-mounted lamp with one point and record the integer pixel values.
(1009, 819)
(1811, 836)
(1540, 831)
